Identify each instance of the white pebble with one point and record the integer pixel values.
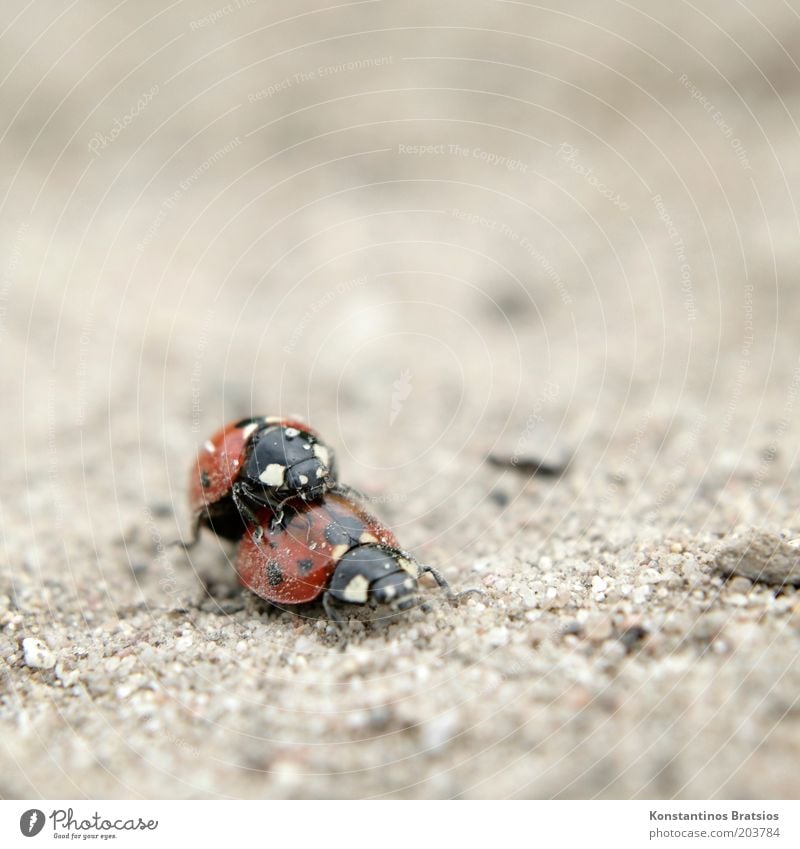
(737, 600)
(438, 732)
(37, 654)
(497, 637)
(304, 646)
(650, 576)
(598, 627)
(527, 597)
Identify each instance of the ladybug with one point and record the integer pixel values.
(332, 549)
(255, 464)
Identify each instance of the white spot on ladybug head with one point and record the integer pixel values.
(273, 475)
(303, 479)
(339, 551)
(322, 454)
(321, 472)
(356, 590)
(291, 432)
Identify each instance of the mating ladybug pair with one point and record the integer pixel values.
(271, 483)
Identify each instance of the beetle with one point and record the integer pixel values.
(335, 550)
(263, 462)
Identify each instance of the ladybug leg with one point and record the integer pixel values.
(333, 613)
(445, 586)
(349, 492)
(438, 577)
(238, 495)
(186, 545)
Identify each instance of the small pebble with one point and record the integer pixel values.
(632, 637)
(538, 632)
(497, 637)
(37, 654)
(598, 627)
(613, 651)
(557, 598)
(438, 732)
(304, 646)
(650, 576)
(538, 453)
(709, 625)
(68, 677)
(760, 556)
(499, 497)
(183, 643)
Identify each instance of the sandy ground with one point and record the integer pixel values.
(436, 231)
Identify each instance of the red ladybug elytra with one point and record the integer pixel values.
(331, 549)
(253, 464)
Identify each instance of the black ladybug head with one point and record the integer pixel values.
(397, 589)
(374, 573)
(286, 462)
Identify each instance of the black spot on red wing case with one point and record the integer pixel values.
(274, 574)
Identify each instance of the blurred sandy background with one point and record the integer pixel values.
(434, 230)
